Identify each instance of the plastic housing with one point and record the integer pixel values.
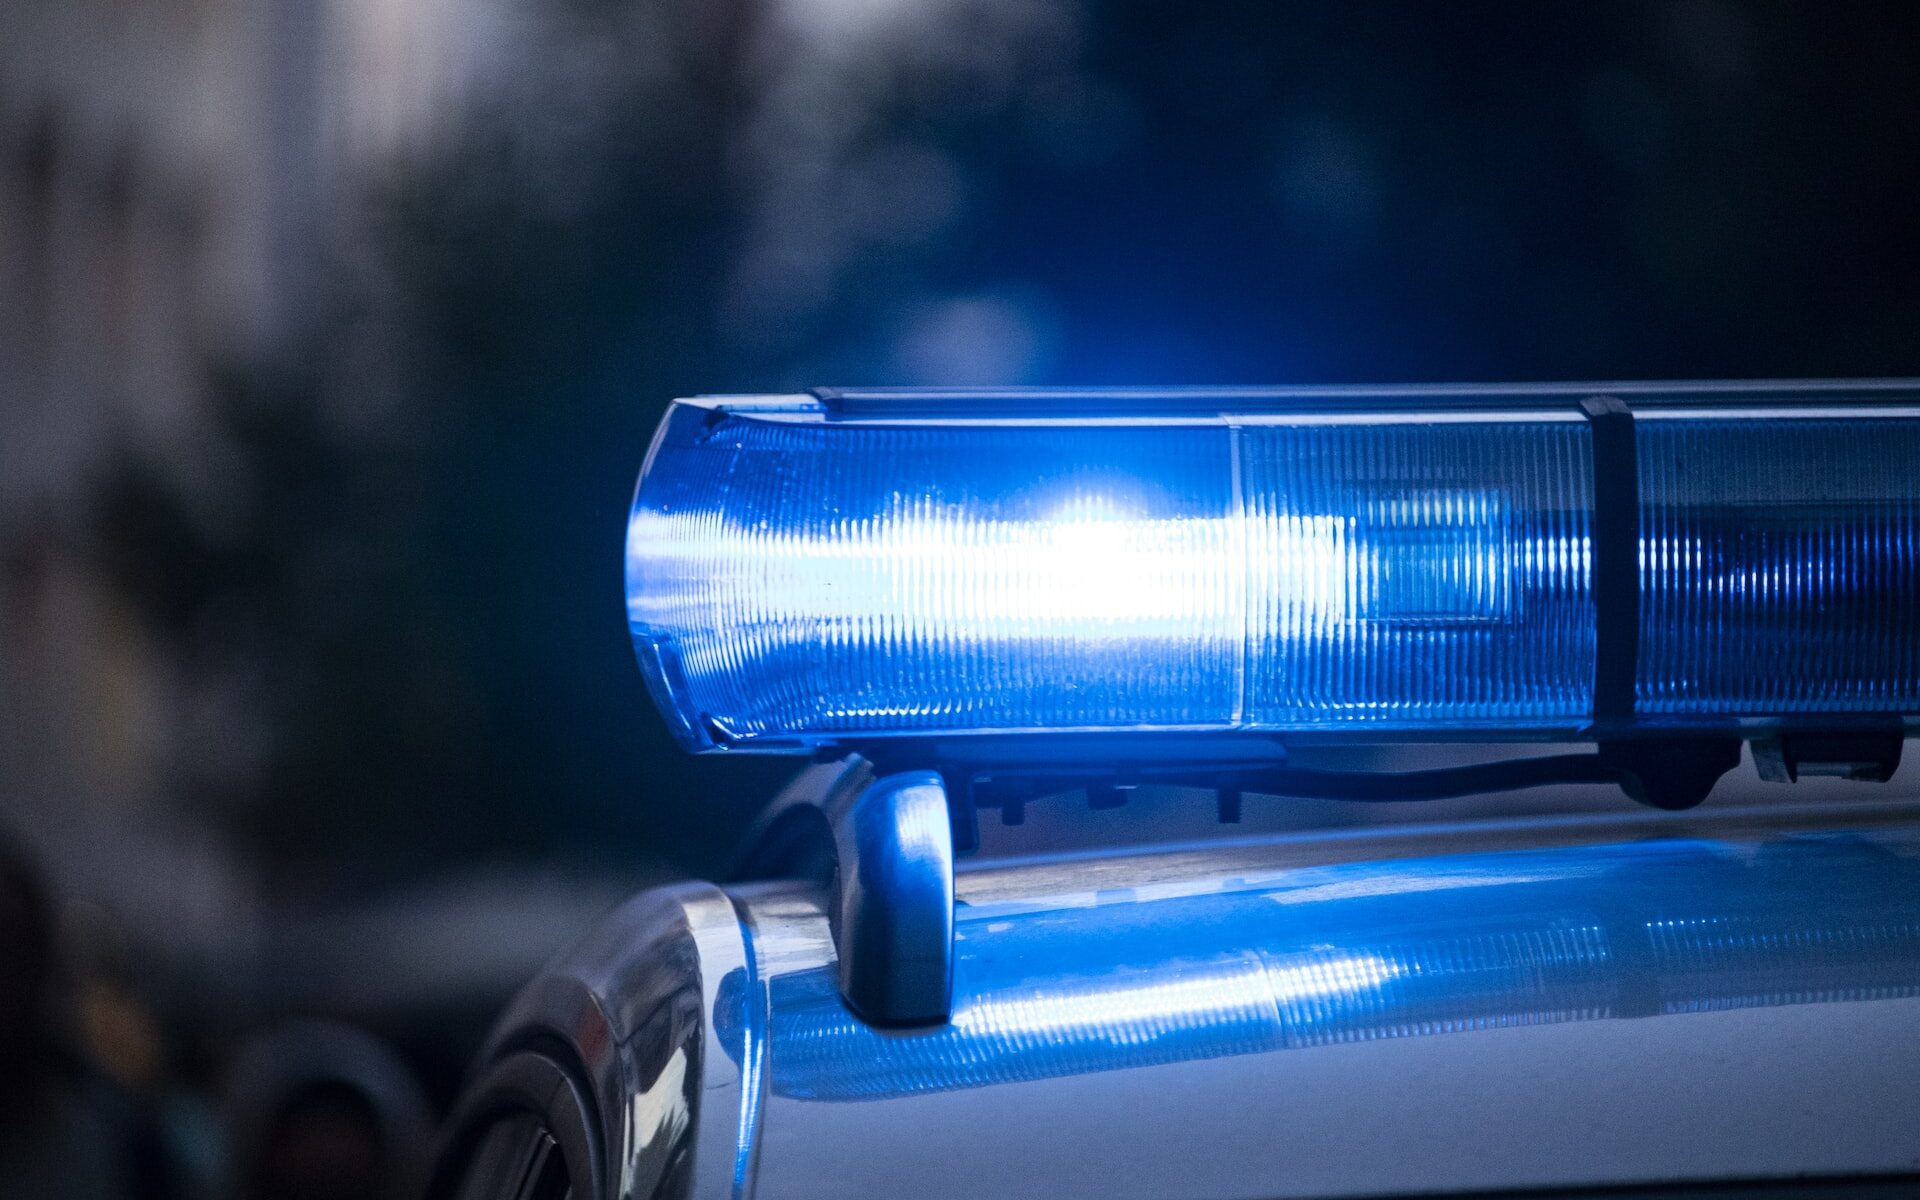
(851, 566)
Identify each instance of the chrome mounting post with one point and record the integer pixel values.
(892, 900)
(883, 846)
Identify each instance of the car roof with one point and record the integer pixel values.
(1468, 1008)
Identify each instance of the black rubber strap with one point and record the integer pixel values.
(1615, 542)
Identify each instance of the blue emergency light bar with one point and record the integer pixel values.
(1551, 561)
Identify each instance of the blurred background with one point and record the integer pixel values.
(332, 333)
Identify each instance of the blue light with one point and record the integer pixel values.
(1780, 561)
(797, 577)
(1460, 566)
(797, 580)
(792, 578)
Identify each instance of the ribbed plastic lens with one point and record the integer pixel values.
(1778, 564)
(796, 576)
(801, 580)
(1406, 574)
(795, 579)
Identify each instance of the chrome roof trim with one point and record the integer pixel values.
(635, 1007)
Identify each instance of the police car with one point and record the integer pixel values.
(954, 605)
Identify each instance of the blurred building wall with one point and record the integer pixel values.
(176, 178)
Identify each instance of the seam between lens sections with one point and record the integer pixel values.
(1244, 664)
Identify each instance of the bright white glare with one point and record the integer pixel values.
(1090, 570)
(783, 581)
(1137, 1013)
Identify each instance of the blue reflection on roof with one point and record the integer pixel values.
(1417, 948)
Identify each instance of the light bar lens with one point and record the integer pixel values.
(796, 576)
(801, 579)
(1778, 563)
(1412, 574)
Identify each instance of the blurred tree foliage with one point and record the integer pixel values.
(409, 574)
(397, 597)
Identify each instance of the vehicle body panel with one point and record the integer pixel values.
(1526, 1005)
